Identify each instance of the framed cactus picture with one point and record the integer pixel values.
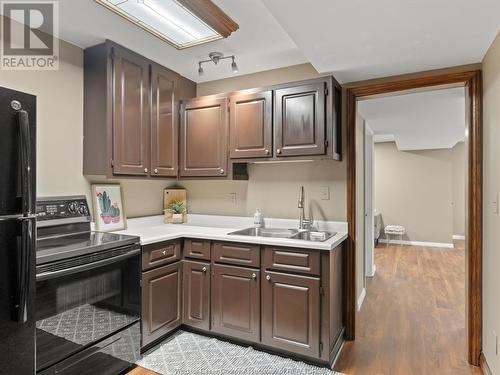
(109, 214)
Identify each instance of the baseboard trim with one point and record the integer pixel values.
(374, 269)
(484, 365)
(419, 243)
(458, 237)
(361, 298)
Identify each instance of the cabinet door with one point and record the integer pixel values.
(161, 301)
(164, 123)
(204, 133)
(250, 125)
(196, 294)
(300, 120)
(131, 115)
(236, 302)
(290, 313)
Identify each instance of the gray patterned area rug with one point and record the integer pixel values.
(189, 353)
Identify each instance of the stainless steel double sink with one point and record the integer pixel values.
(295, 234)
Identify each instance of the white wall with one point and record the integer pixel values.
(59, 121)
(360, 206)
(491, 218)
(414, 189)
(459, 165)
(369, 161)
(273, 188)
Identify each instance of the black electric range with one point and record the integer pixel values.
(88, 292)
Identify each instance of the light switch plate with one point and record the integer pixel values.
(325, 193)
(494, 205)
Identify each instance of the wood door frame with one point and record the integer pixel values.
(471, 80)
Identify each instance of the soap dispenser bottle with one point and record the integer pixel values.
(258, 219)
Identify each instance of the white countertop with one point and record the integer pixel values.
(152, 229)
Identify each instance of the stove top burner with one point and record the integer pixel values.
(63, 229)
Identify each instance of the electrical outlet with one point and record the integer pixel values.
(232, 197)
(325, 193)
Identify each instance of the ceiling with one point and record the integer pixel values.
(418, 121)
(353, 39)
(359, 39)
(259, 44)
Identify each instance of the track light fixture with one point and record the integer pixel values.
(215, 57)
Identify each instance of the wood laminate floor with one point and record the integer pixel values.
(412, 321)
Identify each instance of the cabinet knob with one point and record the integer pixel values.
(221, 171)
(145, 170)
(267, 151)
(164, 252)
(268, 277)
(156, 170)
(204, 269)
(278, 151)
(254, 276)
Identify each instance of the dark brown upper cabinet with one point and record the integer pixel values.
(131, 107)
(203, 138)
(236, 302)
(164, 122)
(131, 113)
(196, 294)
(300, 121)
(251, 125)
(300, 126)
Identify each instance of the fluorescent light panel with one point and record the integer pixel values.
(166, 19)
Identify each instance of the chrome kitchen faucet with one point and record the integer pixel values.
(304, 224)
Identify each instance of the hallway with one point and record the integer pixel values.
(412, 320)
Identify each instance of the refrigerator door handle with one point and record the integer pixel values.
(24, 127)
(23, 282)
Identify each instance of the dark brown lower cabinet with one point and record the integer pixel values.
(290, 300)
(161, 301)
(196, 312)
(236, 302)
(291, 313)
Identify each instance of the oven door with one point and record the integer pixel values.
(82, 301)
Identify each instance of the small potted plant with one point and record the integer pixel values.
(177, 209)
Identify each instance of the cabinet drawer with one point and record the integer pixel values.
(159, 254)
(294, 260)
(237, 253)
(197, 249)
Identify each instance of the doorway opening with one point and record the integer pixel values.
(471, 82)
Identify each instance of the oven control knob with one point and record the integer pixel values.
(72, 207)
(83, 210)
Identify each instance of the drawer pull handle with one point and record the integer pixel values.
(254, 276)
(268, 277)
(204, 269)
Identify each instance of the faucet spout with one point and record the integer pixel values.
(301, 197)
(303, 222)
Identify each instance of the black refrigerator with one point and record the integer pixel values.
(17, 231)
